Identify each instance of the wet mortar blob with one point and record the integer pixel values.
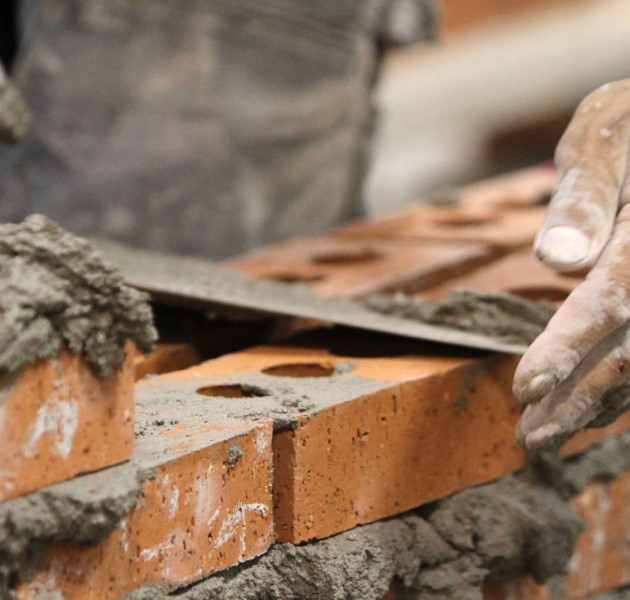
(57, 292)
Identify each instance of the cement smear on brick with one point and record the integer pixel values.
(282, 399)
(84, 510)
(504, 317)
(499, 530)
(605, 461)
(56, 292)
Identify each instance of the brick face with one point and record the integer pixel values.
(601, 559)
(360, 434)
(518, 273)
(393, 450)
(165, 358)
(204, 507)
(333, 266)
(502, 228)
(386, 435)
(59, 419)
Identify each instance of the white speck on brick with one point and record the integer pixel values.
(58, 419)
(213, 517)
(150, 553)
(124, 542)
(173, 504)
(45, 587)
(262, 441)
(236, 524)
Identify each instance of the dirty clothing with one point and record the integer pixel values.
(199, 126)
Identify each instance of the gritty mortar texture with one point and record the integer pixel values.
(56, 292)
(84, 510)
(282, 400)
(605, 461)
(504, 529)
(502, 316)
(445, 551)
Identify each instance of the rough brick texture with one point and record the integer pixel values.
(59, 419)
(333, 266)
(206, 505)
(518, 273)
(165, 358)
(359, 439)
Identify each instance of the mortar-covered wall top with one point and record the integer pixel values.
(56, 292)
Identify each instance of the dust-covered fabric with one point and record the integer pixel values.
(199, 126)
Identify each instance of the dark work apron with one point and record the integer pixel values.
(198, 126)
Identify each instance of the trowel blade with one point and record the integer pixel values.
(192, 281)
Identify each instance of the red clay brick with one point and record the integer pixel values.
(333, 266)
(519, 273)
(165, 358)
(600, 563)
(388, 436)
(502, 228)
(523, 188)
(503, 212)
(200, 512)
(519, 589)
(59, 419)
(601, 559)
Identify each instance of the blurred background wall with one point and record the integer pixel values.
(494, 94)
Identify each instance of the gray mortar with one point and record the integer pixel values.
(234, 454)
(503, 529)
(84, 510)
(443, 551)
(56, 292)
(505, 317)
(282, 399)
(604, 461)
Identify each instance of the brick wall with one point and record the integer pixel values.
(297, 441)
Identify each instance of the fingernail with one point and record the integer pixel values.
(563, 246)
(542, 436)
(536, 388)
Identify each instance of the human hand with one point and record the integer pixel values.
(577, 372)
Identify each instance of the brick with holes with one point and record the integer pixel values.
(333, 266)
(206, 503)
(366, 428)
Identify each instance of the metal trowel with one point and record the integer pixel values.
(195, 282)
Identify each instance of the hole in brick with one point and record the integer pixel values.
(465, 221)
(344, 256)
(301, 370)
(233, 390)
(295, 277)
(540, 293)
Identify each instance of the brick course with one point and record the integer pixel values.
(59, 419)
(206, 505)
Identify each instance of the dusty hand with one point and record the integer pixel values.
(575, 374)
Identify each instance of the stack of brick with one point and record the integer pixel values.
(304, 446)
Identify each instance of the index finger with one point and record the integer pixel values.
(592, 158)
